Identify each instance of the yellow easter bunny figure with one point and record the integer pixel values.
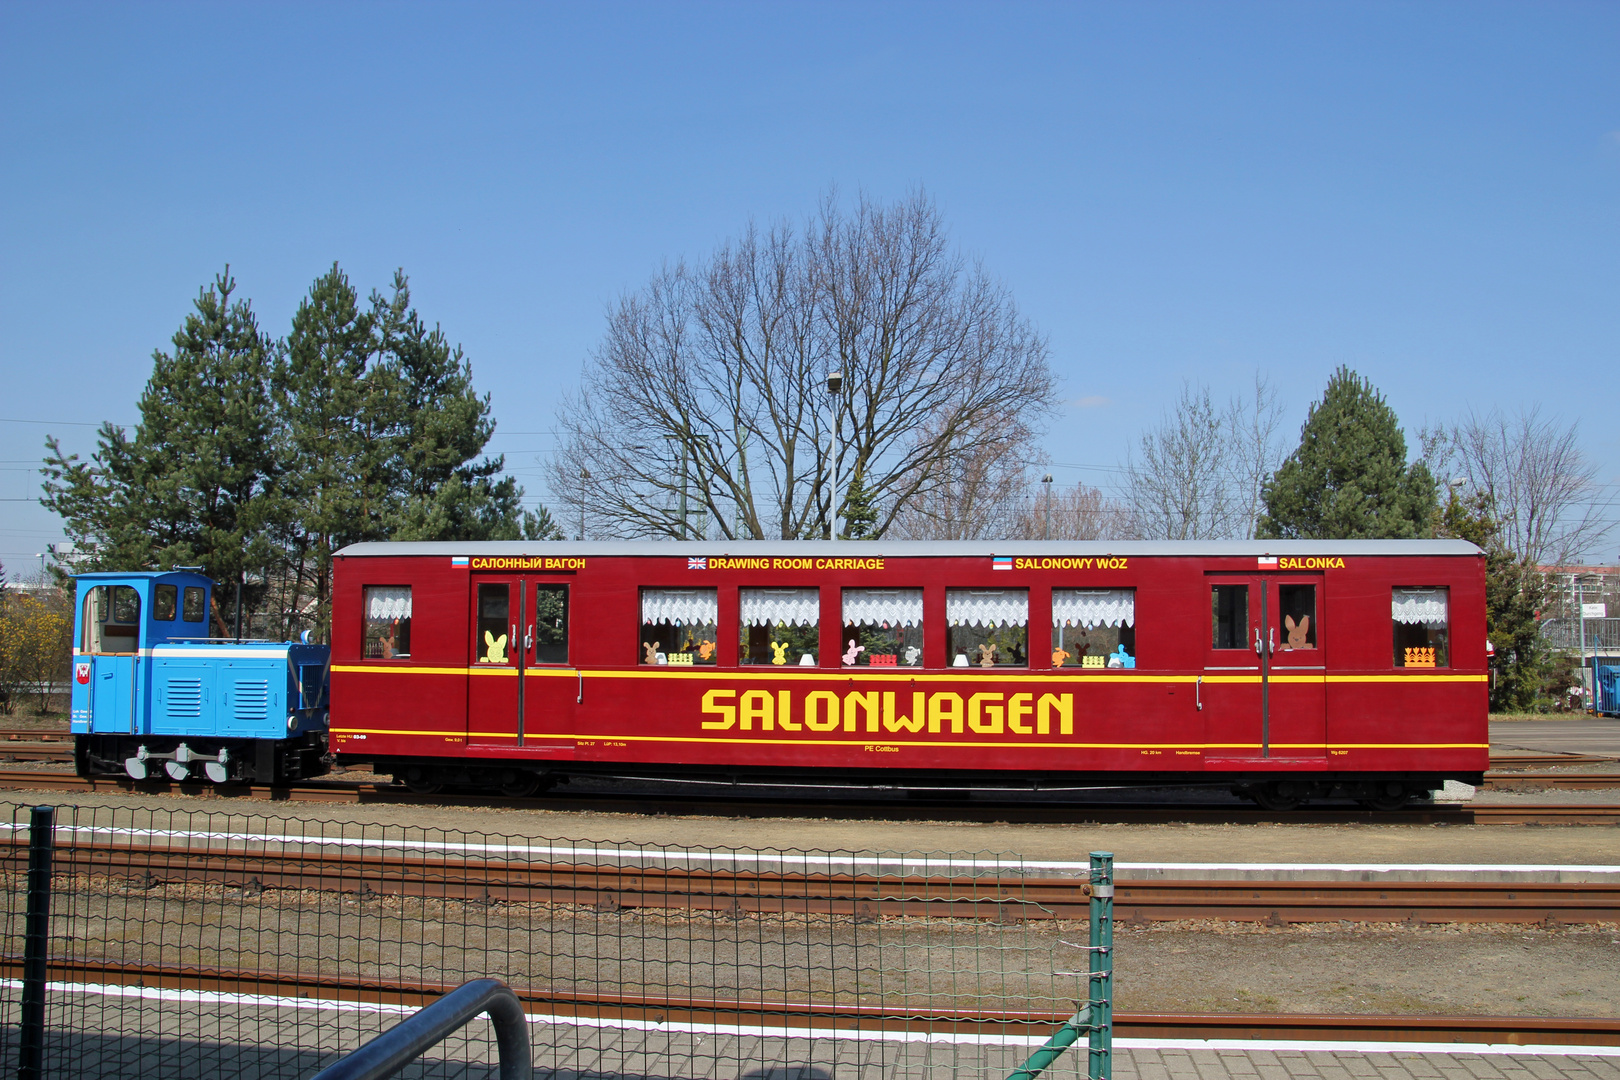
(495, 648)
(780, 648)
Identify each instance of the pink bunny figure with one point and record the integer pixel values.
(853, 651)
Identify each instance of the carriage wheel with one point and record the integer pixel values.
(1386, 796)
(420, 781)
(1278, 795)
(518, 784)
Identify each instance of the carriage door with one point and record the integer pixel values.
(521, 690)
(112, 639)
(495, 705)
(1264, 679)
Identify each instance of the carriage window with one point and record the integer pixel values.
(112, 620)
(989, 628)
(1229, 616)
(1296, 608)
(492, 633)
(679, 626)
(388, 622)
(551, 624)
(164, 599)
(779, 626)
(1422, 627)
(194, 604)
(1094, 628)
(882, 628)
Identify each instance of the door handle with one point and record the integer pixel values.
(1198, 693)
(1257, 641)
(1272, 648)
(528, 639)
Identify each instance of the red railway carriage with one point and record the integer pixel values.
(1288, 669)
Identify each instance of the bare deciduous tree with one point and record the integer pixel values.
(1539, 484)
(709, 391)
(1199, 474)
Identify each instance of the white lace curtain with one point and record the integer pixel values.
(385, 603)
(896, 607)
(683, 607)
(1093, 607)
(1413, 606)
(987, 607)
(767, 607)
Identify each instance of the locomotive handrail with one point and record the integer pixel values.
(404, 1043)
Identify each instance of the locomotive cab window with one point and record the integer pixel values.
(550, 623)
(1093, 628)
(193, 609)
(988, 628)
(1421, 618)
(679, 626)
(882, 628)
(388, 622)
(1296, 610)
(164, 600)
(779, 626)
(1229, 616)
(112, 620)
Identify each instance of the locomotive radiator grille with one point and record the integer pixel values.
(185, 698)
(251, 699)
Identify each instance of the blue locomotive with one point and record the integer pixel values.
(152, 691)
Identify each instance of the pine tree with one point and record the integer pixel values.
(1349, 477)
(336, 444)
(438, 427)
(191, 486)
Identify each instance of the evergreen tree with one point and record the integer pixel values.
(1515, 592)
(336, 446)
(438, 428)
(860, 515)
(191, 486)
(538, 524)
(1349, 477)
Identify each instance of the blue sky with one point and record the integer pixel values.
(1429, 193)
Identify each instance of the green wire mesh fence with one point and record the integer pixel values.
(227, 944)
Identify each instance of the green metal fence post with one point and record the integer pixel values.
(1102, 966)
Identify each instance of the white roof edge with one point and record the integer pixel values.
(902, 548)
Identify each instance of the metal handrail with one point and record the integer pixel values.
(400, 1045)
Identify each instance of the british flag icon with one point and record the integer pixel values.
(699, 563)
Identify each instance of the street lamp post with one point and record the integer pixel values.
(835, 383)
(584, 475)
(1046, 521)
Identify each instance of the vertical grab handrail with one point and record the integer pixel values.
(1094, 1016)
(400, 1045)
(36, 943)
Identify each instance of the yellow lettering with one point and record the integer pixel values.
(821, 701)
(1063, 705)
(711, 705)
(756, 705)
(1018, 707)
(784, 711)
(946, 706)
(866, 702)
(914, 722)
(985, 714)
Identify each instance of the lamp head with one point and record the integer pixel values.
(835, 382)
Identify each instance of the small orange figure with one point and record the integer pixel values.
(1058, 656)
(705, 649)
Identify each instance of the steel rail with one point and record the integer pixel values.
(607, 888)
(844, 1018)
(924, 809)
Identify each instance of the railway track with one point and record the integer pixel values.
(735, 893)
(842, 806)
(844, 1018)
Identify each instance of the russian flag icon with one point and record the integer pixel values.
(458, 560)
(1001, 562)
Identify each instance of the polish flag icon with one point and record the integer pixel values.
(81, 672)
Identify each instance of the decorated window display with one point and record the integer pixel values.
(779, 626)
(679, 626)
(388, 622)
(1421, 618)
(988, 628)
(1093, 628)
(882, 628)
